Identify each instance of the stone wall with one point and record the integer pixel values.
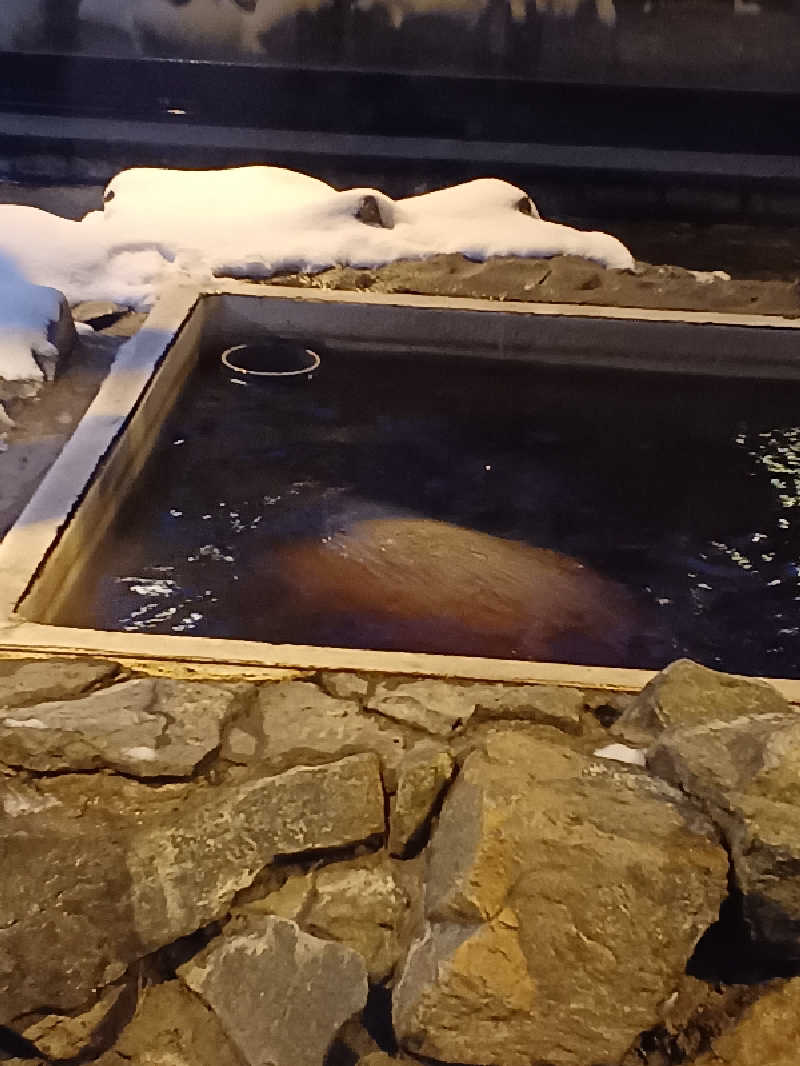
(342, 869)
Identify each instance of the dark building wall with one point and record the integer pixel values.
(728, 44)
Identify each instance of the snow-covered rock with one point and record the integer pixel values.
(35, 329)
(260, 220)
(160, 226)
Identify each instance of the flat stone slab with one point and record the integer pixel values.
(25, 682)
(297, 722)
(146, 727)
(444, 707)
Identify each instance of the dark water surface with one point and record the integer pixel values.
(684, 489)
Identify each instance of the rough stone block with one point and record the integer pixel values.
(147, 727)
(551, 705)
(564, 896)
(685, 693)
(361, 904)
(747, 774)
(280, 994)
(423, 774)
(296, 722)
(25, 682)
(438, 707)
(112, 869)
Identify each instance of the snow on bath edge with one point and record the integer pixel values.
(161, 226)
(26, 312)
(266, 219)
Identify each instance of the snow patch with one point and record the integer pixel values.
(706, 277)
(25, 723)
(21, 800)
(145, 754)
(26, 312)
(623, 753)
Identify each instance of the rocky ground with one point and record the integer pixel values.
(570, 280)
(338, 869)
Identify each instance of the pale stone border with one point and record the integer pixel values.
(38, 564)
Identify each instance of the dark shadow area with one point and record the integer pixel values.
(728, 954)
(14, 1046)
(377, 1018)
(163, 964)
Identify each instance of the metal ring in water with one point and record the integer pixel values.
(311, 359)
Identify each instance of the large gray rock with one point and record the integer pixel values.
(172, 1027)
(148, 728)
(551, 705)
(565, 895)
(685, 694)
(438, 707)
(718, 761)
(296, 722)
(24, 682)
(446, 707)
(114, 869)
(747, 774)
(280, 994)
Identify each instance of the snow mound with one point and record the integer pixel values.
(262, 220)
(161, 226)
(26, 313)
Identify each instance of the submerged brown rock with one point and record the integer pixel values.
(431, 586)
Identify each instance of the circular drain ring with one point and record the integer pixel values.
(298, 353)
